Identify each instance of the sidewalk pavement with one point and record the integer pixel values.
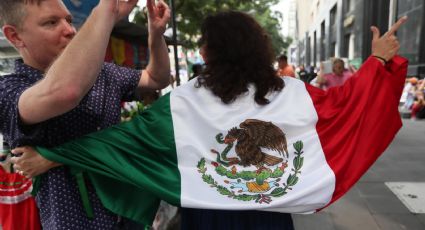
(370, 204)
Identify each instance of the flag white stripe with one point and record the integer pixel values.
(291, 110)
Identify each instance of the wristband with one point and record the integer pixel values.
(381, 58)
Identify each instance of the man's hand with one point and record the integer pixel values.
(119, 8)
(157, 73)
(30, 163)
(386, 46)
(158, 17)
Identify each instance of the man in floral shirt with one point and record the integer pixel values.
(61, 89)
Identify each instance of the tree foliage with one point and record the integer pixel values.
(190, 14)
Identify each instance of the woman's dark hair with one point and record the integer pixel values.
(238, 53)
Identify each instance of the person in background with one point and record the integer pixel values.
(196, 70)
(338, 76)
(61, 89)
(418, 107)
(303, 74)
(284, 69)
(410, 92)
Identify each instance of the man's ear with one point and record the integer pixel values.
(12, 34)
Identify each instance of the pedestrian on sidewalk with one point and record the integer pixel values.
(284, 69)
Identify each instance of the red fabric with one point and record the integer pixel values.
(143, 55)
(358, 120)
(18, 211)
(129, 55)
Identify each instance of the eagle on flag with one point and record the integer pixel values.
(253, 135)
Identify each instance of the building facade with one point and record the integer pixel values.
(412, 35)
(341, 28)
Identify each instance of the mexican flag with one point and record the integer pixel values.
(298, 154)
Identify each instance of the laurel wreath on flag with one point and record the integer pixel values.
(256, 177)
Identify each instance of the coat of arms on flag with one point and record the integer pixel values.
(263, 182)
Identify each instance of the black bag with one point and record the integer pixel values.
(421, 113)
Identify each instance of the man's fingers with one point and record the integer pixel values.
(397, 25)
(150, 4)
(124, 7)
(14, 160)
(16, 167)
(375, 32)
(165, 12)
(162, 8)
(18, 150)
(132, 3)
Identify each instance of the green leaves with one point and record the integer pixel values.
(190, 14)
(298, 162)
(277, 192)
(298, 146)
(292, 180)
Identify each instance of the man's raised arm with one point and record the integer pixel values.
(75, 70)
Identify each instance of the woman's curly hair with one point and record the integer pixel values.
(238, 53)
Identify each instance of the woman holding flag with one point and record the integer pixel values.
(240, 138)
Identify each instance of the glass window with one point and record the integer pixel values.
(410, 34)
(333, 16)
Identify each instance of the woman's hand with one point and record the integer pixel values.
(387, 46)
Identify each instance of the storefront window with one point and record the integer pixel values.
(410, 33)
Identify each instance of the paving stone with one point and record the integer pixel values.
(371, 176)
(399, 222)
(387, 205)
(316, 221)
(351, 213)
(391, 175)
(421, 218)
(378, 189)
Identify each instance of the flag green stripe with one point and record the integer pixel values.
(131, 164)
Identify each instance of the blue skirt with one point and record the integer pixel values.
(201, 219)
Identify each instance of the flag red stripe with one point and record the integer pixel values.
(359, 120)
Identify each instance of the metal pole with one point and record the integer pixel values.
(393, 13)
(176, 58)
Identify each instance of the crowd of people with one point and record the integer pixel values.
(412, 100)
(338, 72)
(62, 82)
(330, 74)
